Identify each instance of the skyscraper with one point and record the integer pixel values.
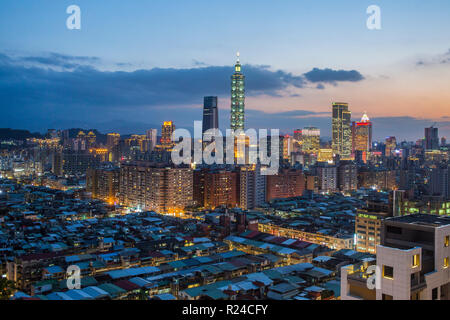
(431, 138)
(113, 145)
(341, 127)
(391, 144)
(311, 140)
(210, 114)
(362, 135)
(237, 98)
(167, 129)
(252, 189)
(152, 135)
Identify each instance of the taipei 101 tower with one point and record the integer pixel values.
(237, 98)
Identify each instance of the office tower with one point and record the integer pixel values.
(347, 172)
(341, 130)
(362, 135)
(152, 136)
(431, 138)
(391, 145)
(210, 114)
(298, 140)
(145, 186)
(252, 187)
(237, 98)
(325, 155)
(288, 147)
(221, 189)
(412, 262)
(327, 177)
(298, 135)
(167, 130)
(311, 140)
(288, 183)
(443, 141)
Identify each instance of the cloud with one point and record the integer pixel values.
(320, 86)
(435, 60)
(39, 90)
(57, 60)
(333, 76)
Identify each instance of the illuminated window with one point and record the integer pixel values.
(447, 241)
(446, 262)
(415, 261)
(388, 272)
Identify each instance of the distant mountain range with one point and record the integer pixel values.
(7, 133)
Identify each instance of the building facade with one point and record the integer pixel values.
(238, 98)
(341, 130)
(145, 186)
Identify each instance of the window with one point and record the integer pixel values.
(434, 294)
(415, 261)
(446, 262)
(447, 241)
(388, 272)
(387, 297)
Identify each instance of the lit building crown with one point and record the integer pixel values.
(365, 118)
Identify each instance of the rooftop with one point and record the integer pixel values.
(423, 219)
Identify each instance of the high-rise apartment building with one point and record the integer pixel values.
(368, 230)
(347, 175)
(327, 177)
(146, 186)
(237, 98)
(221, 189)
(412, 262)
(103, 183)
(252, 189)
(286, 184)
(113, 146)
(341, 130)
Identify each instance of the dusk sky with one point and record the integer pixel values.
(137, 63)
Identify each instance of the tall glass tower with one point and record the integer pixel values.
(341, 129)
(237, 98)
(210, 114)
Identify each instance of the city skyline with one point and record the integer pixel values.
(289, 84)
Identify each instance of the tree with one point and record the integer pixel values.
(7, 288)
